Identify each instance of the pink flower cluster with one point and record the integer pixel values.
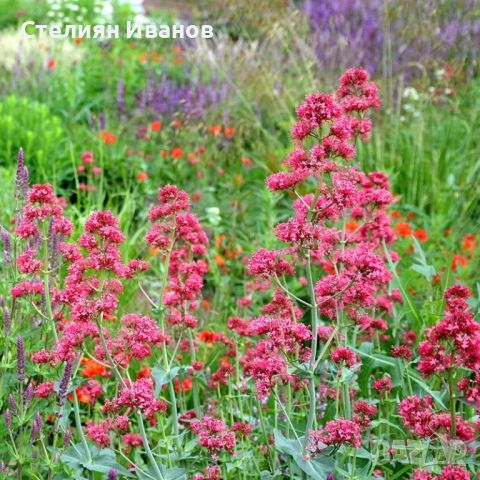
(330, 119)
(179, 235)
(213, 434)
(449, 472)
(454, 342)
(341, 431)
(341, 229)
(419, 416)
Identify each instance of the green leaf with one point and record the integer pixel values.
(95, 459)
(167, 473)
(421, 266)
(317, 468)
(162, 376)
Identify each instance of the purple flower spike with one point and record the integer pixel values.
(67, 438)
(7, 321)
(63, 387)
(112, 474)
(13, 404)
(28, 394)
(21, 177)
(36, 427)
(20, 360)
(8, 419)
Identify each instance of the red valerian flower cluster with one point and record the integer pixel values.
(419, 416)
(214, 435)
(449, 472)
(180, 237)
(338, 232)
(454, 342)
(336, 432)
(41, 220)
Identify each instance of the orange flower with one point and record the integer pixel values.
(177, 123)
(142, 58)
(142, 176)
(411, 215)
(229, 132)
(219, 260)
(178, 60)
(185, 386)
(207, 337)
(156, 126)
(176, 152)
(247, 162)
(78, 41)
(403, 229)
(144, 372)
(215, 129)
(163, 153)
(396, 214)
(219, 240)
(52, 63)
(469, 242)
(205, 304)
(178, 50)
(196, 196)
(92, 368)
(351, 226)
(108, 138)
(421, 235)
(458, 260)
(82, 396)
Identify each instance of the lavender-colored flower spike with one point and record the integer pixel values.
(7, 321)
(21, 177)
(28, 395)
(63, 387)
(330, 477)
(8, 419)
(121, 95)
(13, 404)
(3, 468)
(20, 360)
(7, 247)
(36, 427)
(102, 121)
(67, 438)
(112, 474)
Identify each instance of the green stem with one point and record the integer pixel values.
(453, 415)
(311, 381)
(147, 447)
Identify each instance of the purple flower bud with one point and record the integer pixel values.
(28, 395)
(36, 427)
(3, 468)
(13, 404)
(102, 122)
(112, 474)
(330, 477)
(121, 95)
(7, 321)
(63, 387)
(67, 438)
(20, 360)
(7, 247)
(8, 419)
(21, 177)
